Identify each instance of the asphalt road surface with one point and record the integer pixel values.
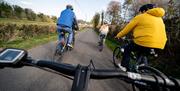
(34, 79)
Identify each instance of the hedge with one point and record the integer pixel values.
(9, 31)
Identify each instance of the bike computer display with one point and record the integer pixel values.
(11, 56)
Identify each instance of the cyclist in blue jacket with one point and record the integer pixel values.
(67, 21)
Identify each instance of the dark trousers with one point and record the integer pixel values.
(140, 50)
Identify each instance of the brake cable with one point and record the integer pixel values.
(157, 82)
(91, 64)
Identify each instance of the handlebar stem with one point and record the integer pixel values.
(81, 80)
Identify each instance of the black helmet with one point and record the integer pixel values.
(146, 7)
(69, 7)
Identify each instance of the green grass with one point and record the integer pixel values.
(111, 43)
(24, 21)
(29, 43)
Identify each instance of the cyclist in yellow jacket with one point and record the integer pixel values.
(148, 31)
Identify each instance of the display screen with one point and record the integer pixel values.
(9, 55)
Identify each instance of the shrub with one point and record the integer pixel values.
(24, 31)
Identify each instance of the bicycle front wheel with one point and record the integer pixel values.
(100, 45)
(117, 56)
(57, 52)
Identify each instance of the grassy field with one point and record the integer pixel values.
(16, 21)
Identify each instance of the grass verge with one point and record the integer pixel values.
(111, 43)
(29, 43)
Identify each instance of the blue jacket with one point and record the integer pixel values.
(66, 18)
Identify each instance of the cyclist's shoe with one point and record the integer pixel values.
(142, 65)
(70, 46)
(122, 68)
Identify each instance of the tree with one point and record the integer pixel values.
(102, 17)
(15, 11)
(18, 11)
(131, 7)
(80, 21)
(30, 15)
(96, 20)
(54, 18)
(5, 10)
(113, 12)
(114, 16)
(41, 17)
(44, 18)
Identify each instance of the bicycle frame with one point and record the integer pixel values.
(135, 60)
(65, 37)
(62, 43)
(65, 43)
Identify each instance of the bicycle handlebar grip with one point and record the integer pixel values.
(105, 74)
(63, 68)
(177, 83)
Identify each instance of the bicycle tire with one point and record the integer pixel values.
(117, 56)
(73, 42)
(57, 53)
(100, 45)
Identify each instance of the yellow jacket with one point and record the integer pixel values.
(148, 29)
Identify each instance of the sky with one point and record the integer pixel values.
(84, 9)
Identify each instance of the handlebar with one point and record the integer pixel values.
(85, 72)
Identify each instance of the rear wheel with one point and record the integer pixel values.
(117, 56)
